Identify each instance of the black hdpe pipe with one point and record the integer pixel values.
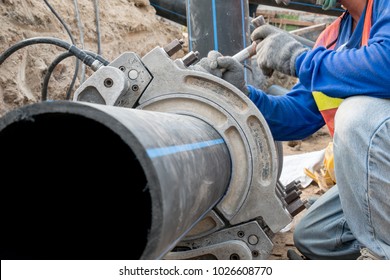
(88, 181)
(175, 10)
(212, 25)
(218, 25)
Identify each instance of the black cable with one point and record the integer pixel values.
(57, 61)
(72, 83)
(61, 57)
(50, 70)
(79, 24)
(99, 44)
(97, 57)
(77, 62)
(61, 21)
(72, 50)
(80, 54)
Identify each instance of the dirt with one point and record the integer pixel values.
(125, 25)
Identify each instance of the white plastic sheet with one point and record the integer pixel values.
(293, 167)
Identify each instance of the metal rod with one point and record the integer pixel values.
(251, 50)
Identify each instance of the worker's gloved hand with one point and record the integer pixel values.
(285, 2)
(225, 67)
(276, 50)
(327, 4)
(209, 64)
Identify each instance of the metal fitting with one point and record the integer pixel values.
(190, 58)
(173, 47)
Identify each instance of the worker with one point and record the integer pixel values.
(346, 73)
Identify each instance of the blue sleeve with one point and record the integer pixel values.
(293, 116)
(363, 71)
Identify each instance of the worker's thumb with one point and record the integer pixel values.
(212, 59)
(262, 32)
(229, 63)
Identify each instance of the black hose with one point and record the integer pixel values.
(99, 44)
(72, 83)
(50, 70)
(80, 54)
(98, 57)
(57, 61)
(77, 62)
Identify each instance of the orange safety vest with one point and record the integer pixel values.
(328, 105)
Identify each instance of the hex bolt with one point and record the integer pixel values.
(253, 239)
(291, 196)
(190, 58)
(133, 74)
(135, 87)
(108, 82)
(241, 234)
(173, 47)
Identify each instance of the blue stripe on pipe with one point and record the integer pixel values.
(160, 152)
(169, 11)
(243, 23)
(214, 10)
(189, 25)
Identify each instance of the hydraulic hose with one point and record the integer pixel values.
(50, 70)
(57, 61)
(80, 54)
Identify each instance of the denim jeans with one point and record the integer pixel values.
(355, 213)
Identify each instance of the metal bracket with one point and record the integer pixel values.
(121, 83)
(250, 234)
(208, 225)
(180, 90)
(234, 250)
(105, 86)
(137, 74)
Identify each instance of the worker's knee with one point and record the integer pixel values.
(360, 116)
(351, 115)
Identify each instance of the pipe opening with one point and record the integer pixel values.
(74, 190)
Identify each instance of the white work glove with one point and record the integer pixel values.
(285, 2)
(327, 4)
(276, 50)
(225, 67)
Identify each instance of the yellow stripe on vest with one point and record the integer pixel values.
(325, 102)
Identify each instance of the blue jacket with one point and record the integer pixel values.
(353, 71)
